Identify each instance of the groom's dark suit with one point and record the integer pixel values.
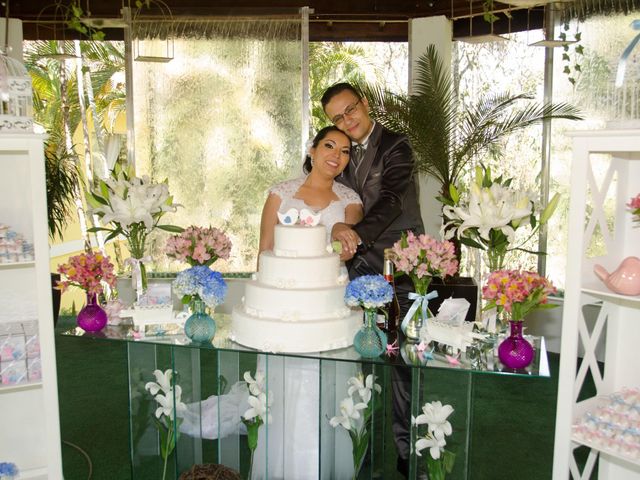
(387, 185)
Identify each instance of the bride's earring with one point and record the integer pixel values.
(311, 160)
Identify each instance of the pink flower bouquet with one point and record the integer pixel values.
(199, 246)
(423, 257)
(634, 206)
(87, 271)
(517, 293)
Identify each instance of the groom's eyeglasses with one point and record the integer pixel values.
(350, 110)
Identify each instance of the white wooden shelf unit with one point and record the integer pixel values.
(29, 421)
(605, 174)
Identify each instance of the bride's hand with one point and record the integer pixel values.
(347, 237)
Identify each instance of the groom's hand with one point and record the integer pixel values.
(348, 238)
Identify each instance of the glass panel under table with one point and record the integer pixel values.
(222, 382)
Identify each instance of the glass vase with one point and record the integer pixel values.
(412, 332)
(495, 258)
(515, 351)
(92, 317)
(370, 341)
(200, 327)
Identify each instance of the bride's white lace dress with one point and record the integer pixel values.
(289, 447)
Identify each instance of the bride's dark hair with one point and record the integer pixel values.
(307, 165)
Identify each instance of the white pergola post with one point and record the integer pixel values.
(423, 32)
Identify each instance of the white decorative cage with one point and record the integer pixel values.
(16, 99)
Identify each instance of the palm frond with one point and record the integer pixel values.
(445, 140)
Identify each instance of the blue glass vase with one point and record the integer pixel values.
(370, 341)
(200, 327)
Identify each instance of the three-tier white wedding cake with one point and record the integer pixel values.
(295, 303)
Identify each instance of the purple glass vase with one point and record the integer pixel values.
(92, 317)
(515, 351)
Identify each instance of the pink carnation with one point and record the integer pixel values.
(199, 246)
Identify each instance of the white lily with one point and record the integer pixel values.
(135, 201)
(256, 386)
(363, 386)
(163, 382)
(434, 444)
(494, 207)
(348, 411)
(166, 403)
(435, 416)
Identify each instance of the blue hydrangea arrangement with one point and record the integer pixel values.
(8, 470)
(203, 283)
(368, 291)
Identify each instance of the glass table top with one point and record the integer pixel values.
(481, 357)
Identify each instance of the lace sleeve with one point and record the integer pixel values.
(346, 195)
(286, 190)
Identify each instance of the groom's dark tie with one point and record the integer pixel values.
(357, 153)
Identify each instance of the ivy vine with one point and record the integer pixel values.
(572, 53)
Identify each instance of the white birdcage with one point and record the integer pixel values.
(16, 99)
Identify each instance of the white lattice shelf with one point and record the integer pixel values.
(9, 266)
(591, 405)
(605, 172)
(19, 387)
(602, 293)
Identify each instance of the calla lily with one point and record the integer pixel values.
(166, 403)
(259, 408)
(163, 382)
(435, 416)
(363, 386)
(348, 411)
(256, 386)
(435, 446)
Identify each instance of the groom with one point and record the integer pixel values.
(381, 171)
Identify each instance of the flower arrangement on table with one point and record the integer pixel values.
(87, 271)
(488, 215)
(259, 410)
(200, 286)
(200, 283)
(422, 257)
(168, 395)
(369, 292)
(355, 415)
(439, 461)
(8, 471)
(199, 246)
(515, 294)
(634, 206)
(134, 207)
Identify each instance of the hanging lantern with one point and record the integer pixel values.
(16, 99)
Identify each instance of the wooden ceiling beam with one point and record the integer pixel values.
(331, 20)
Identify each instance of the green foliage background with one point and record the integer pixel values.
(222, 124)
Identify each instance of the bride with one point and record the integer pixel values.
(289, 447)
(328, 156)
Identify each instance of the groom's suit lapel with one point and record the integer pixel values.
(369, 156)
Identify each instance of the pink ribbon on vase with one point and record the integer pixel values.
(136, 272)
